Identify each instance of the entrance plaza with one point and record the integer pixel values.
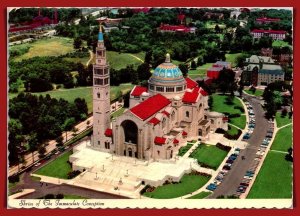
(125, 176)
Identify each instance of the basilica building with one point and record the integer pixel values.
(161, 117)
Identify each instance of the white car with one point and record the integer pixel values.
(37, 164)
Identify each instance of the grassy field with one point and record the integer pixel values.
(231, 57)
(200, 71)
(188, 184)
(209, 154)
(283, 139)
(219, 105)
(58, 168)
(71, 196)
(82, 92)
(78, 60)
(200, 195)
(233, 130)
(46, 47)
(240, 122)
(118, 113)
(257, 92)
(280, 43)
(184, 149)
(118, 60)
(274, 179)
(281, 121)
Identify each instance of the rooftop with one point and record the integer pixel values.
(268, 31)
(149, 107)
(138, 90)
(190, 83)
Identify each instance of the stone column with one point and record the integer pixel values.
(140, 144)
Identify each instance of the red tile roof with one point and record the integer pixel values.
(175, 141)
(165, 113)
(268, 31)
(149, 107)
(203, 92)
(190, 83)
(154, 121)
(167, 27)
(191, 97)
(265, 19)
(160, 140)
(108, 132)
(184, 133)
(138, 90)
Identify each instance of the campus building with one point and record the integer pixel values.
(263, 20)
(214, 71)
(274, 34)
(160, 118)
(261, 70)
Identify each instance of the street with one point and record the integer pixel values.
(239, 168)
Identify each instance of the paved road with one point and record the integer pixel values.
(239, 168)
(42, 190)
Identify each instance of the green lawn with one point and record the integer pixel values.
(71, 196)
(83, 60)
(120, 60)
(239, 121)
(184, 149)
(46, 47)
(189, 183)
(281, 121)
(118, 113)
(233, 130)
(58, 168)
(274, 179)
(219, 105)
(283, 139)
(209, 155)
(82, 92)
(200, 195)
(200, 71)
(231, 57)
(280, 43)
(257, 92)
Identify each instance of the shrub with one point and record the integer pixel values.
(234, 115)
(233, 137)
(73, 174)
(59, 196)
(49, 196)
(220, 130)
(223, 147)
(14, 178)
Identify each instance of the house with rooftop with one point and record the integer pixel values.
(274, 34)
(261, 70)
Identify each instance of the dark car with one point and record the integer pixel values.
(229, 161)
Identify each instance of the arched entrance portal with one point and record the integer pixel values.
(130, 138)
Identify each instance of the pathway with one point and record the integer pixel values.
(136, 58)
(91, 57)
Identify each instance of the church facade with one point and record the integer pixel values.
(160, 118)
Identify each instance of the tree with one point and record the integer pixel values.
(226, 81)
(59, 141)
(193, 65)
(33, 144)
(77, 43)
(143, 71)
(68, 125)
(217, 29)
(41, 151)
(184, 69)
(283, 113)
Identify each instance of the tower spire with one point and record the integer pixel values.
(100, 34)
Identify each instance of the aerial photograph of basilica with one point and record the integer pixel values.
(150, 103)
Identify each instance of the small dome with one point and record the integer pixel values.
(145, 94)
(167, 72)
(177, 98)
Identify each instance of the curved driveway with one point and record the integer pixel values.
(234, 177)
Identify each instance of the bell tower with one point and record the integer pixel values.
(101, 96)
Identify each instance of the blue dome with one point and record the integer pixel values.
(167, 72)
